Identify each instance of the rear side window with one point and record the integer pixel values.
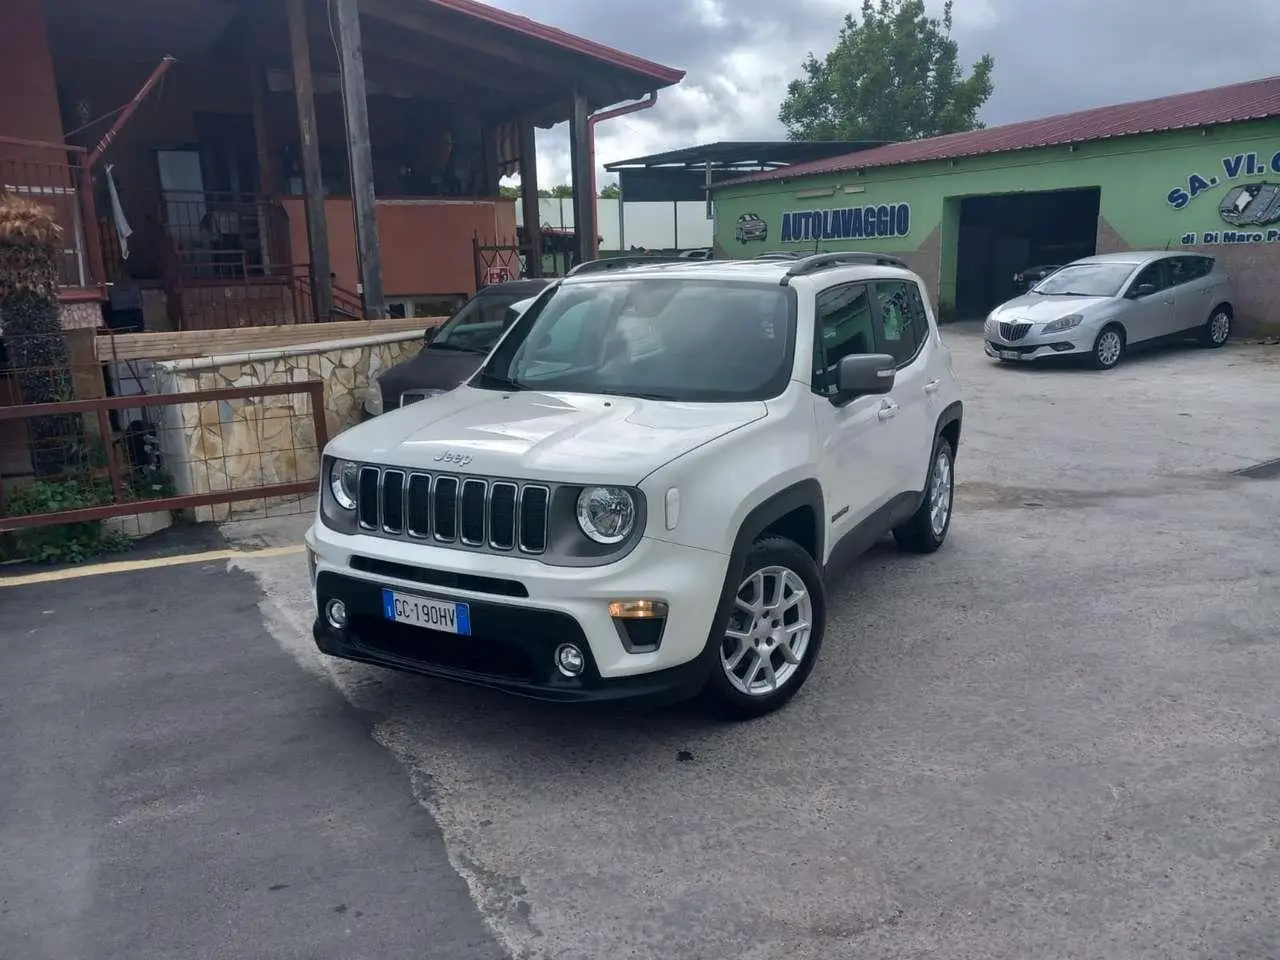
(901, 324)
(1197, 267)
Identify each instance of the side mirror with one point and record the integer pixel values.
(429, 334)
(1143, 290)
(864, 374)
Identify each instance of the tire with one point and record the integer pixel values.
(1217, 329)
(739, 689)
(921, 534)
(1108, 348)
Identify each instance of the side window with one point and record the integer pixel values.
(1153, 274)
(843, 328)
(902, 325)
(1196, 268)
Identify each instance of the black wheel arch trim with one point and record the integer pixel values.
(954, 413)
(804, 494)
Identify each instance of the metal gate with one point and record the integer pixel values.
(497, 263)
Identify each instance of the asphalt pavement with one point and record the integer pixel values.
(1057, 737)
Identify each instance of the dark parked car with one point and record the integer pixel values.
(454, 350)
(1029, 276)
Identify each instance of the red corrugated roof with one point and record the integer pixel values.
(1255, 100)
(566, 41)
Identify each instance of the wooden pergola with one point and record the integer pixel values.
(514, 73)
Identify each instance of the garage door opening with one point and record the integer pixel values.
(1006, 234)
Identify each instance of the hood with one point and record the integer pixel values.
(555, 437)
(429, 370)
(1042, 309)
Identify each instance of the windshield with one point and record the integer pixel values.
(476, 327)
(1086, 280)
(659, 338)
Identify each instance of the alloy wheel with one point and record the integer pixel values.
(940, 484)
(768, 633)
(1219, 328)
(1108, 348)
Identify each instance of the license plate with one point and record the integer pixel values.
(1009, 355)
(439, 615)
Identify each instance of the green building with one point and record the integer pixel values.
(1197, 171)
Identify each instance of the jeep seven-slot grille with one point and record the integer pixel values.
(464, 511)
(1014, 331)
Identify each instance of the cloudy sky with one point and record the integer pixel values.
(1052, 56)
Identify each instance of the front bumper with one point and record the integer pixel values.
(1022, 350)
(521, 610)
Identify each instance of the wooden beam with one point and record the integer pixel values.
(450, 30)
(530, 207)
(356, 110)
(580, 159)
(312, 179)
(444, 59)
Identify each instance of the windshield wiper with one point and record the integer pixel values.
(457, 347)
(637, 394)
(494, 382)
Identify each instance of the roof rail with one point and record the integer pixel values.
(780, 255)
(621, 263)
(821, 261)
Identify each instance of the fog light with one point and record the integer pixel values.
(569, 660)
(335, 612)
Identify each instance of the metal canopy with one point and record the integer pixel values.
(678, 175)
(746, 154)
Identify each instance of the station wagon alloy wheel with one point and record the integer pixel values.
(768, 633)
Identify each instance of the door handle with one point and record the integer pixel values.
(888, 410)
(932, 386)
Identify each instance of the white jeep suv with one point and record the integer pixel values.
(639, 492)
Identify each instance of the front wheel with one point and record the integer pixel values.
(1108, 348)
(769, 645)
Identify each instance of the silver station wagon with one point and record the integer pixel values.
(1100, 306)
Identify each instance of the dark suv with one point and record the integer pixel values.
(454, 350)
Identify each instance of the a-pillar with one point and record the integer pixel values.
(581, 160)
(312, 183)
(530, 209)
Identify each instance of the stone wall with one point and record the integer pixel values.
(257, 441)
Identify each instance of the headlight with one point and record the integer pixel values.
(344, 483)
(1066, 323)
(606, 514)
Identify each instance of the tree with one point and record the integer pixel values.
(893, 75)
(32, 331)
(508, 193)
(610, 191)
(561, 190)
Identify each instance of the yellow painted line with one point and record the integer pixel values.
(125, 566)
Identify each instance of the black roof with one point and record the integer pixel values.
(747, 154)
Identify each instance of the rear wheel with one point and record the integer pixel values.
(928, 526)
(1217, 329)
(769, 645)
(1108, 348)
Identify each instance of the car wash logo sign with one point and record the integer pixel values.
(871, 222)
(1247, 206)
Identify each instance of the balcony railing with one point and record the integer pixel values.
(45, 173)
